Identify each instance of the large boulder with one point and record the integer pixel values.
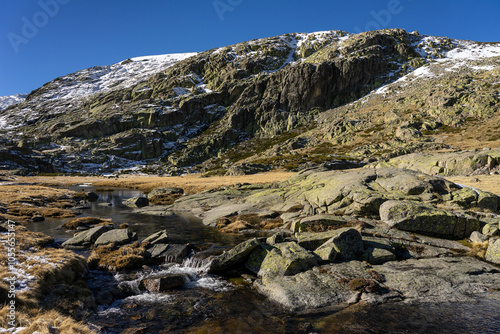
(322, 286)
(286, 258)
(346, 245)
(86, 238)
(236, 255)
(426, 219)
(116, 236)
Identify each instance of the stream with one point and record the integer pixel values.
(212, 304)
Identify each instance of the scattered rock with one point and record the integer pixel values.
(92, 196)
(116, 236)
(136, 202)
(162, 283)
(86, 238)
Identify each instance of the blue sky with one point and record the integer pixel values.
(43, 39)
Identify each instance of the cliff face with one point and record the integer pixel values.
(252, 99)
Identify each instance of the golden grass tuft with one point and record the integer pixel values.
(108, 257)
(73, 224)
(44, 322)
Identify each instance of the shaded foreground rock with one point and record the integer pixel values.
(425, 280)
(234, 256)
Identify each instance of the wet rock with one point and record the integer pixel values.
(136, 202)
(159, 237)
(116, 236)
(425, 219)
(346, 244)
(155, 210)
(92, 196)
(169, 252)
(493, 252)
(162, 283)
(286, 258)
(86, 238)
(234, 256)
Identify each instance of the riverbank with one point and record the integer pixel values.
(26, 198)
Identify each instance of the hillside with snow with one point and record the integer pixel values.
(7, 101)
(281, 102)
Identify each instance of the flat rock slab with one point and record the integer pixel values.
(86, 238)
(116, 236)
(210, 217)
(445, 279)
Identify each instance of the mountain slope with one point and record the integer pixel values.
(284, 101)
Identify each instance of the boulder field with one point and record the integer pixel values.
(373, 235)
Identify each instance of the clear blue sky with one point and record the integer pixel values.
(43, 39)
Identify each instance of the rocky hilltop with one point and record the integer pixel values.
(289, 101)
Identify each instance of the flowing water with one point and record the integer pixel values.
(211, 304)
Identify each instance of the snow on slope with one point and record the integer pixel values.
(462, 54)
(120, 75)
(6, 101)
(74, 87)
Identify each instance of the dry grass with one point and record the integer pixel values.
(25, 201)
(191, 184)
(73, 224)
(489, 183)
(44, 322)
(108, 257)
